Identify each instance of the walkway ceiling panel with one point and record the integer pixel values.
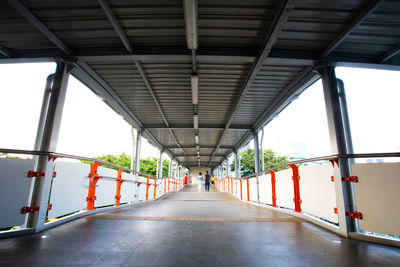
(378, 33)
(127, 83)
(27, 36)
(231, 138)
(208, 137)
(164, 137)
(234, 23)
(270, 81)
(219, 85)
(185, 137)
(171, 85)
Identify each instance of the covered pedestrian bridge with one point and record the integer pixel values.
(199, 80)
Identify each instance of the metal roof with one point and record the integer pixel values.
(253, 57)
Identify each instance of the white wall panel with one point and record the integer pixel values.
(14, 190)
(265, 189)
(106, 188)
(69, 189)
(127, 188)
(317, 191)
(253, 189)
(377, 196)
(284, 189)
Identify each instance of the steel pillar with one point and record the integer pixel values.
(257, 161)
(235, 158)
(262, 169)
(137, 159)
(340, 140)
(133, 149)
(170, 167)
(49, 136)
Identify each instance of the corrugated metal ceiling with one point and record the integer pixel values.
(295, 36)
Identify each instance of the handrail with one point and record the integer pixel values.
(330, 157)
(61, 155)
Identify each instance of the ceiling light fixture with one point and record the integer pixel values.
(196, 137)
(196, 122)
(190, 13)
(194, 82)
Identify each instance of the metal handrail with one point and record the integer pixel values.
(61, 155)
(331, 157)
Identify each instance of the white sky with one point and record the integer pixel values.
(90, 128)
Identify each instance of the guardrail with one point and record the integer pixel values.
(74, 189)
(314, 192)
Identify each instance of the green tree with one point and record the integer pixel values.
(147, 165)
(247, 161)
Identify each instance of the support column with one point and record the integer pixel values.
(133, 150)
(262, 167)
(340, 140)
(49, 137)
(158, 164)
(161, 164)
(257, 162)
(235, 158)
(170, 167)
(137, 159)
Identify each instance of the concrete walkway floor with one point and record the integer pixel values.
(191, 228)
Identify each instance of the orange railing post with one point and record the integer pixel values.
(168, 183)
(147, 188)
(119, 183)
(165, 185)
(155, 187)
(248, 189)
(93, 178)
(241, 190)
(231, 185)
(273, 181)
(296, 186)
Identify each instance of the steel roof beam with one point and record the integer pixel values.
(121, 34)
(201, 127)
(280, 18)
(356, 21)
(5, 51)
(194, 147)
(20, 8)
(114, 22)
(389, 54)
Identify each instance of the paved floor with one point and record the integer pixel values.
(143, 236)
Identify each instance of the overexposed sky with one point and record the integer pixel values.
(90, 128)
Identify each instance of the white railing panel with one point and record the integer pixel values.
(253, 189)
(377, 196)
(244, 189)
(265, 189)
(106, 188)
(128, 188)
(284, 189)
(14, 190)
(317, 191)
(69, 188)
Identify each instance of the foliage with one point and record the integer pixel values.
(147, 165)
(247, 161)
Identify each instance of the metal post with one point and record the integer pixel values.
(236, 169)
(340, 140)
(137, 159)
(257, 161)
(262, 150)
(41, 185)
(133, 150)
(158, 164)
(170, 167)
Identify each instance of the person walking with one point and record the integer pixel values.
(207, 184)
(200, 182)
(212, 182)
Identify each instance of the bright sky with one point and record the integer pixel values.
(90, 128)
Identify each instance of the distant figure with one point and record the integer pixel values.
(208, 178)
(200, 182)
(212, 182)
